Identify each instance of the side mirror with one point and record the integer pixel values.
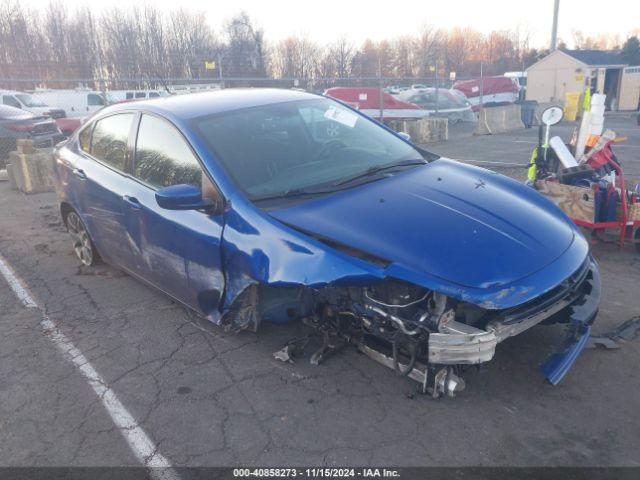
(182, 197)
(405, 136)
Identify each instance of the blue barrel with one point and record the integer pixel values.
(527, 111)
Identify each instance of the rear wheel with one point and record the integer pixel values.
(636, 237)
(82, 244)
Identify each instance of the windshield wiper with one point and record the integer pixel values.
(379, 168)
(292, 192)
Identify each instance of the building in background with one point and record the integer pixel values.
(630, 89)
(569, 71)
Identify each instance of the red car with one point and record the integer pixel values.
(368, 101)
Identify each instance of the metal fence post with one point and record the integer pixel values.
(481, 85)
(437, 87)
(220, 70)
(381, 99)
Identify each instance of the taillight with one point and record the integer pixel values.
(21, 127)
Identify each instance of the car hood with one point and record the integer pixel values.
(463, 224)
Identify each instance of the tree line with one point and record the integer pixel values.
(146, 47)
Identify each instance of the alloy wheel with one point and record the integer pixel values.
(82, 244)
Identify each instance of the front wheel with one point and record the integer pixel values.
(82, 244)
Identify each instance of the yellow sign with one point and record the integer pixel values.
(210, 65)
(432, 68)
(579, 77)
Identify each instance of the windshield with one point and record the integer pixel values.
(291, 146)
(28, 101)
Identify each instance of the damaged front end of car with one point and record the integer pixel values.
(431, 338)
(422, 334)
(427, 300)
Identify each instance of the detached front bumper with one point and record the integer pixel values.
(583, 314)
(578, 296)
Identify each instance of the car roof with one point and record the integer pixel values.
(194, 105)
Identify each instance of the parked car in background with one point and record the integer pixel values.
(418, 86)
(123, 95)
(16, 123)
(69, 125)
(442, 103)
(29, 103)
(369, 101)
(267, 205)
(76, 103)
(492, 90)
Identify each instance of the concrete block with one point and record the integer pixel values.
(33, 172)
(4, 176)
(423, 130)
(11, 177)
(501, 119)
(25, 145)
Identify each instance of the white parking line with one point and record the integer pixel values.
(141, 445)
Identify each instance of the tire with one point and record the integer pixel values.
(636, 237)
(82, 243)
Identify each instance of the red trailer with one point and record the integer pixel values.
(369, 101)
(495, 91)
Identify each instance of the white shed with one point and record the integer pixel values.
(570, 71)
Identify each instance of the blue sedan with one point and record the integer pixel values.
(273, 205)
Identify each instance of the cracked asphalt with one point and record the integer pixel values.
(209, 398)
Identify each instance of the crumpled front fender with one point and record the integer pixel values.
(267, 252)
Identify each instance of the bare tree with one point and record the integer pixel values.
(245, 51)
(341, 54)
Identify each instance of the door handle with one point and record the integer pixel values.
(78, 172)
(132, 202)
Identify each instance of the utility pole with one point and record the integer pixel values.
(554, 30)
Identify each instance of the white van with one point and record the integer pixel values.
(76, 103)
(122, 95)
(29, 103)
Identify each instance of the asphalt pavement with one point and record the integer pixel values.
(103, 370)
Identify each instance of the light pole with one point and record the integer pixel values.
(554, 30)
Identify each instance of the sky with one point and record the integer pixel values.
(325, 20)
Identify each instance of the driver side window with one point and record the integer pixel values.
(163, 157)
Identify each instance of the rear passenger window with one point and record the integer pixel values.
(163, 157)
(140, 95)
(109, 140)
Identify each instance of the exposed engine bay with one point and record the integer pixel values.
(421, 334)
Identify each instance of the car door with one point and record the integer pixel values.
(100, 182)
(177, 250)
